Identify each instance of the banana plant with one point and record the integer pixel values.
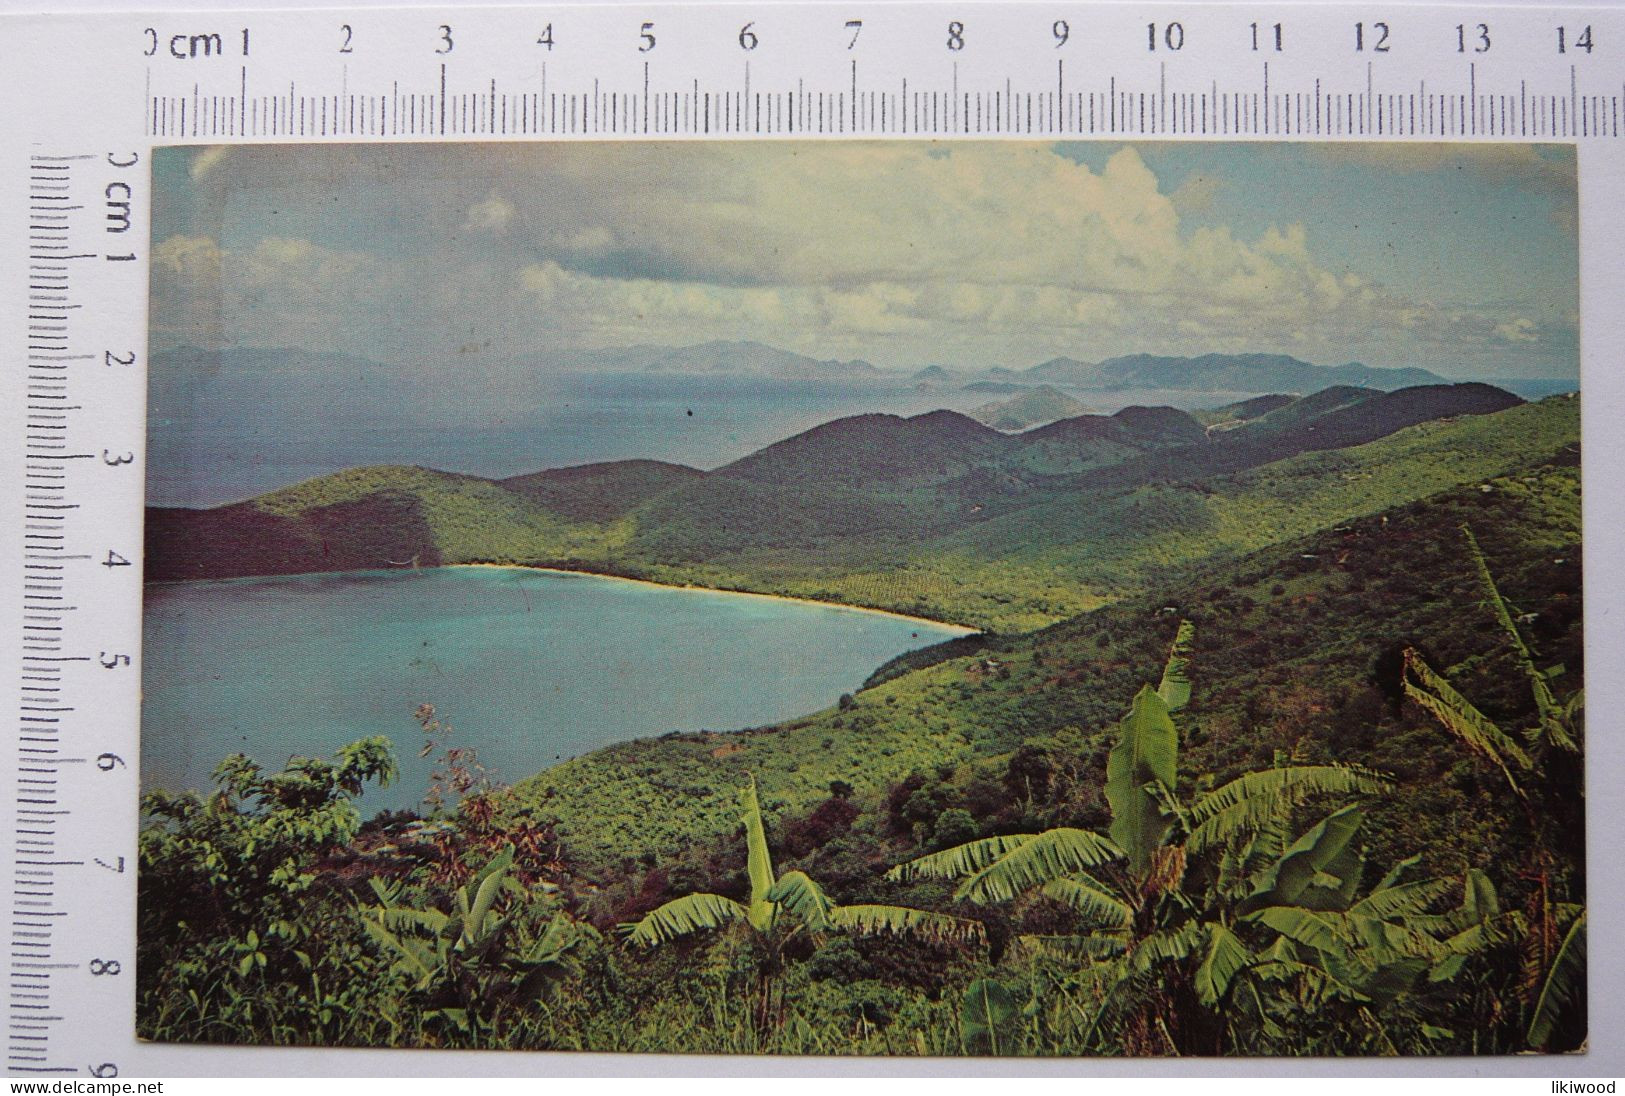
(1553, 933)
(792, 899)
(481, 956)
(1197, 896)
(1555, 727)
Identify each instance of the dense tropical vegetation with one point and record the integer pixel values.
(1346, 819)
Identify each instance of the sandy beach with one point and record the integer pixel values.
(959, 628)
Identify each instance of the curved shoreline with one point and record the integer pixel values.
(961, 629)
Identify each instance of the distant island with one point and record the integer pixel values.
(1032, 407)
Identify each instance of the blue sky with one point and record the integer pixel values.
(1461, 259)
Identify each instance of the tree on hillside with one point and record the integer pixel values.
(238, 855)
(229, 883)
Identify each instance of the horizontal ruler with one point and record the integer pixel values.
(1110, 111)
(1165, 70)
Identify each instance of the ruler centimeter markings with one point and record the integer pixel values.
(36, 912)
(1136, 71)
(1109, 111)
(66, 841)
(76, 259)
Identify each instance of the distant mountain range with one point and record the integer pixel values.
(1224, 373)
(1209, 372)
(732, 359)
(865, 508)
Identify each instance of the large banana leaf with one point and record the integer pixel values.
(1312, 929)
(803, 899)
(1387, 903)
(1471, 941)
(1382, 941)
(1478, 897)
(1317, 982)
(497, 865)
(986, 1016)
(1053, 854)
(1146, 753)
(1545, 703)
(1565, 982)
(1377, 959)
(1333, 885)
(417, 958)
(475, 926)
(1461, 718)
(1086, 896)
(1392, 978)
(758, 861)
(1175, 688)
(961, 860)
(1265, 847)
(1225, 957)
(681, 916)
(1249, 801)
(873, 920)
(403, 919)
(1285, 881)
(1167, 946)
(1479, 906)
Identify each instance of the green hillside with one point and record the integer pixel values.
(1293, 641)
(601, 492)
(935, 515)
(361, 519)
(1106, 541)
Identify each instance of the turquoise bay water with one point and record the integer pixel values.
(529, 667)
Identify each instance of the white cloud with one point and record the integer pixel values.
(207, 159)
(493, 215)
(1520, 330)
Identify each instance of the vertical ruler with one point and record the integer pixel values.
(81, 253)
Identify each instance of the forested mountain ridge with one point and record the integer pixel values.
(934, 514)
